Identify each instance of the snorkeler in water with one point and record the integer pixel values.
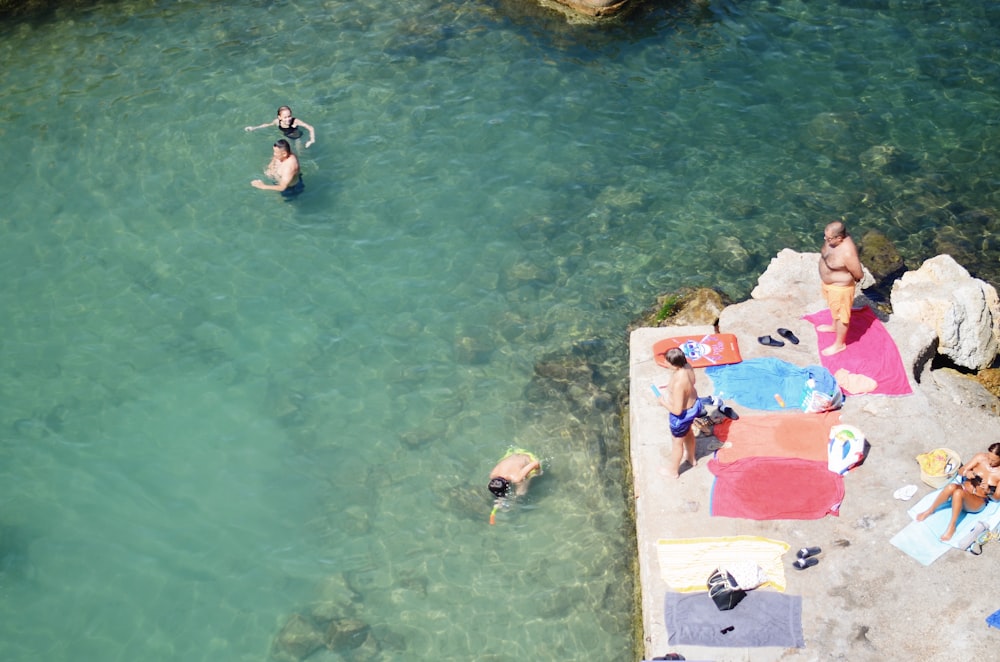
(514, 471)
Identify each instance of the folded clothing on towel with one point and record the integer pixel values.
(686, 563)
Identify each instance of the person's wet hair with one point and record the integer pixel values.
(675, 357)
(284, 144)
(284, 108)
(994, 448)
(499, 487)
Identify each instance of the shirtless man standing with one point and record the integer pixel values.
(284, 169)
(839, 270)
(684, 406)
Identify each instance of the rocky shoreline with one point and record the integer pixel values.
(940, 315)
(586, 9)
(594, 9)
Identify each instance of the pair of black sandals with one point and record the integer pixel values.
(772, 342)
(806, 558)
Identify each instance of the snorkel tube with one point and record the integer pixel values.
(499, 487)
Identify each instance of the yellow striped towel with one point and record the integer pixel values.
(686, 563)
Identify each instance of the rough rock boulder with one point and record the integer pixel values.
(963, 312)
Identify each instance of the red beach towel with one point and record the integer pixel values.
(797, 434)
(870, 352)
(775, 488)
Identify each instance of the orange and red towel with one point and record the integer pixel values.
(795, 434)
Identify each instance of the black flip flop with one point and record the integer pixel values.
(729, 412)
(770, 342)
(802, 564)
(788, 335)
(806, 552)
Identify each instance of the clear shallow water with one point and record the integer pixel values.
(218, 409)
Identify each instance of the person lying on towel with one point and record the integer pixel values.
(978, 479)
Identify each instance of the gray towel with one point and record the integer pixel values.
(763, 618)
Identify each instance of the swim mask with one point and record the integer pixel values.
(499, 487)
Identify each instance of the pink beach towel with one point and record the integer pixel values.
(871, 352)
(775, 488)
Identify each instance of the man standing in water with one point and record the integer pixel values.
(839, 270)
(283, 169)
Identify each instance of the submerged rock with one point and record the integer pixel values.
(465, 500)
(335, 590)
(346, 633)
(729, 254)
(595, 8)
(879, 254)
(298, 639)
(416, 438)
(473, 350)
(883, 160)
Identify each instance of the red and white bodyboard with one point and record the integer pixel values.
(701, 351)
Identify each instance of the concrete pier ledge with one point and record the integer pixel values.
(866, 600)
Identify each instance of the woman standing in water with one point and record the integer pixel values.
(288, 125)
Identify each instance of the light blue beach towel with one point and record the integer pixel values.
(754, 383)
(922, 540)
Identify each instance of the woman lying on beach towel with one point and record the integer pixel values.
(978, 480)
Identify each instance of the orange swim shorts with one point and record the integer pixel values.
(839, 298)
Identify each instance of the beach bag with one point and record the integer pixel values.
(979, 529)
(977, 537)
(846, 449)
(822, 392)
(939, 466)
(724, 590)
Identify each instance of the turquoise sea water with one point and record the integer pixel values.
(219, 409)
